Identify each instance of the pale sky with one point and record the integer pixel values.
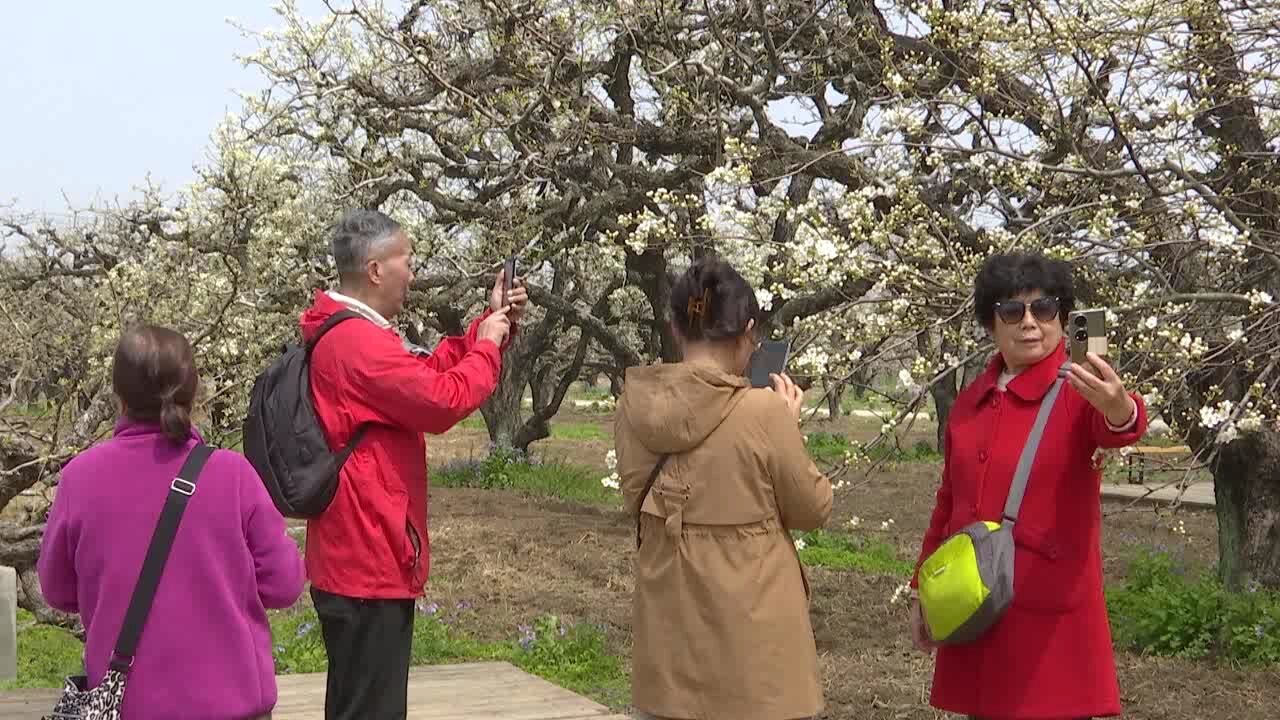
(95, 96)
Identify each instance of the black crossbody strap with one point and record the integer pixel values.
(653, 476)
(180, 491)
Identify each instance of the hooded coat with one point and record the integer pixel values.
(720, 611)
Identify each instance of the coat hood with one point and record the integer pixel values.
(322, 308)
(672, 408)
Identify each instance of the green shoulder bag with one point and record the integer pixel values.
(966, 585)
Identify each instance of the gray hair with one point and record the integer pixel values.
(355, 236)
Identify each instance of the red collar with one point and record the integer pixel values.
(1030, 384)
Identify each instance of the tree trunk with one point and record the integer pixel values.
(861, 380)
(503, 412)
(834, 393)
(1246, 479)
(944, 395)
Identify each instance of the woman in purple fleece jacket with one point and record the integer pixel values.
(205, 650)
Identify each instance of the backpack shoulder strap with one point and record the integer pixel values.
(1023, 473)
(653, 477)
(329, 324)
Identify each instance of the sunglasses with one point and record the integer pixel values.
(1042, 309)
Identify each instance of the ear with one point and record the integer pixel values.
(751, 325)
(373, 272)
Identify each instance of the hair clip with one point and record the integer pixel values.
(698, 307)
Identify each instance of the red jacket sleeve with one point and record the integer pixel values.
(396, 387)
(1107, 438)
(453, 349)
(941, 517)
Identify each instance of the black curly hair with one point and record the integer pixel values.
(1008, 274)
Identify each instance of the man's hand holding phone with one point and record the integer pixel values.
(496, 327)
(790, 392)
(515, 294)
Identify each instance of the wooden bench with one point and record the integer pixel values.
(1144, 455)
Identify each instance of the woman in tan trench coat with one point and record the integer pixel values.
(720, 613)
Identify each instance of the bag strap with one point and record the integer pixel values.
(653, 476)
(328, 324)
(144, 592)
(1023, 473)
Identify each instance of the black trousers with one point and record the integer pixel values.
(368, 643)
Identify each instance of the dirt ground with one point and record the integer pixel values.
(514, 557)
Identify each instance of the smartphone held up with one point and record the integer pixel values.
(1087, 333)
(508, 278)
(770, 358)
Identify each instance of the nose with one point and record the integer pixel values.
(1028, 320)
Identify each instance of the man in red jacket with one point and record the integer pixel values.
(368, 555)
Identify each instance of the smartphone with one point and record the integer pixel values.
(1087, 330)
(508, 277)
(771, 357)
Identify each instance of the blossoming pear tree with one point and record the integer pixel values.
(857, 160)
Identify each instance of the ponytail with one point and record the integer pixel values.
(175, 420)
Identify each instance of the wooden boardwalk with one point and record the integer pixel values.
(467, 691)
(1197, 495)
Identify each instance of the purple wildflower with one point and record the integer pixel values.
(527, 637)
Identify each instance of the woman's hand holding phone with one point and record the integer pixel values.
(1103, 389)
(790, 392)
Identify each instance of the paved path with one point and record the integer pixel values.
(1197, 494)
(467, 691)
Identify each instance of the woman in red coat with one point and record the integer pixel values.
(1050, 656)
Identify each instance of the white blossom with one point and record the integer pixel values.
(765, 299)
(1258, 298)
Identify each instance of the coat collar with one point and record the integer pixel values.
(1029, 385)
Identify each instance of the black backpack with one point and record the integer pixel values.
(283, 439)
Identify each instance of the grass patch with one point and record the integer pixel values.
(1163, 608)
(832, 447)
(559, 430)
(821, 548)
(508, 470)
(46, 655)
(827, 446)
(579, 431)
(575, 656)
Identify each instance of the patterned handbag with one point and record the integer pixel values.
(79, 701)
